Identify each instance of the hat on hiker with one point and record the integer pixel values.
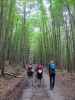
(52, 61)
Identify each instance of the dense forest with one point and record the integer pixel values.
(36, 31)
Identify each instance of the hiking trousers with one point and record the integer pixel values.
(52, 80)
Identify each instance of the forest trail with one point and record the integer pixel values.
(41, 93)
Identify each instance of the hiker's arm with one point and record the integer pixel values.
(48, 68)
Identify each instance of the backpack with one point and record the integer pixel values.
(52, 68)
(30, 71)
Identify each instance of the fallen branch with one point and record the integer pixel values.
(11, 74)
(14, 75)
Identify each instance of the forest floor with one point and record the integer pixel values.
(66, 85)
(13, 75)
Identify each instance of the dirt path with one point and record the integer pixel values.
(41, 93)
(54, 94)
(35, 93)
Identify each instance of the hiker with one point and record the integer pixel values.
(30, 73)
(52, 73)
(39, 72)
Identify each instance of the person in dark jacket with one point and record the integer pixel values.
(52, 73)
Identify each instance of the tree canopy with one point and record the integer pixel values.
(38, 29)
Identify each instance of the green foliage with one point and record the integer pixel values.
(45, 33)
(71, 2)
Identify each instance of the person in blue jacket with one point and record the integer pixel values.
(52, 73)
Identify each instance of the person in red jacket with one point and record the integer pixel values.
(39, 71)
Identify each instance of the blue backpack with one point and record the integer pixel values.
(52, 68)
